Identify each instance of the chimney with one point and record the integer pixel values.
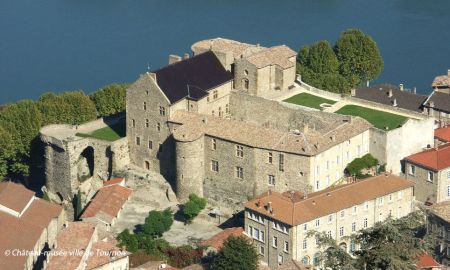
(269, 207)
(414, 90)
(394, 103)
(173, 59)
(436, 144)
(432, 104)
(390, 92)
(448, 72)
(186, 56)
(401, 87)
(152, 75)
(353, 92)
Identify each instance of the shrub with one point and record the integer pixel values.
(128, 241)
(364, 162)
(193, 207)
(182, 256)
(158, 222)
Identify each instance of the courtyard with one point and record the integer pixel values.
(109, 133)
(380, 119)
(309, 100)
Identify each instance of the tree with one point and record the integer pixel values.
(334, 257)
(321, 58)
(6, 151)
(333, 83)
(237, 253)
(359, 57)
(20, 123)
(127, 240)
(110, 99)
(158, 222)
(67, 108)
(193, 207)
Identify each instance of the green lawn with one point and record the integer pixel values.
(109, 133)
(377, 118)
(308, 100)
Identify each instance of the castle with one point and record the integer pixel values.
(207, 122)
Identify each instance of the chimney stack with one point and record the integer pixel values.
(173, 59)
(390, 93)
(394, 103)
(436, 144)
(401, 87)
(448, 72)
(414, 90)
(186, 56)
(152, 75)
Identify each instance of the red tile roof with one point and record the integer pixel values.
(296, 210)
(434, 159)
(442, 134)
(104, 253)
(426, 261)
(23, 233)
(71, 240)
(14, 196)
(217, 240)
(107, 203)
(114, 181)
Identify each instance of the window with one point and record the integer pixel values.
(317, 241)
(213, 144)
(158, 126)
(305, 244)
(330, 218)
(380, 217)
(354, 227)
(286, 246)
(338, 160)
(220, 112)
(147, 123)
(262, 236)
(275, 242)
(162, 111)
(214, 165)
(138, 141)
(280, 259)
(250, 231)
(305, 226)
(133, 122)
(145, 106)
(317, 185)
(271, 180)
(212, 113)
(240, 172)
(365, 223)
(328, 164)
(317, 170)
(317, 222)
(281, 165)
(355, 209)
(380, 200)
(329, 234)
(246, 84)
(390, 197)
(448, 191)
(412, 169)
(270, 157)
(341, 231)
(261, 250)
(448, 175)
(352, 246)
(245, 72)
(348, 155)
(342, 213)
(227, 108)
(239, 151)
(147, 165)
(215, 94)
(430, 177)
(150, 145)
(305, 260)
(366, 206)
(255, 233)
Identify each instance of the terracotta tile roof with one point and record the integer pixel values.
(441, 81)
(434, 159)
(201, 72)
(380, 94)
(23, 233)
(426, 261)
(223, 45)
(309, 142)
(442, 210)
(331, 200)
(442, 134)
(114, 181)
(75, 238)
(14, 196)
(293, 265)
(103, 253)
(217, 240)
(107, 203)
(277, 55)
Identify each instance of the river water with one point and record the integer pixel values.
(57, 45)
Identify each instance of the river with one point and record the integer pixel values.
(58, 45)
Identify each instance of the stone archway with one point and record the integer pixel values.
(85, 164)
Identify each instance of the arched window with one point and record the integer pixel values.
(147, 165)
(305, 260)
(317, 259)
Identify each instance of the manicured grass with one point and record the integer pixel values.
(308, 100)
(109, 133)
(377, 118)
